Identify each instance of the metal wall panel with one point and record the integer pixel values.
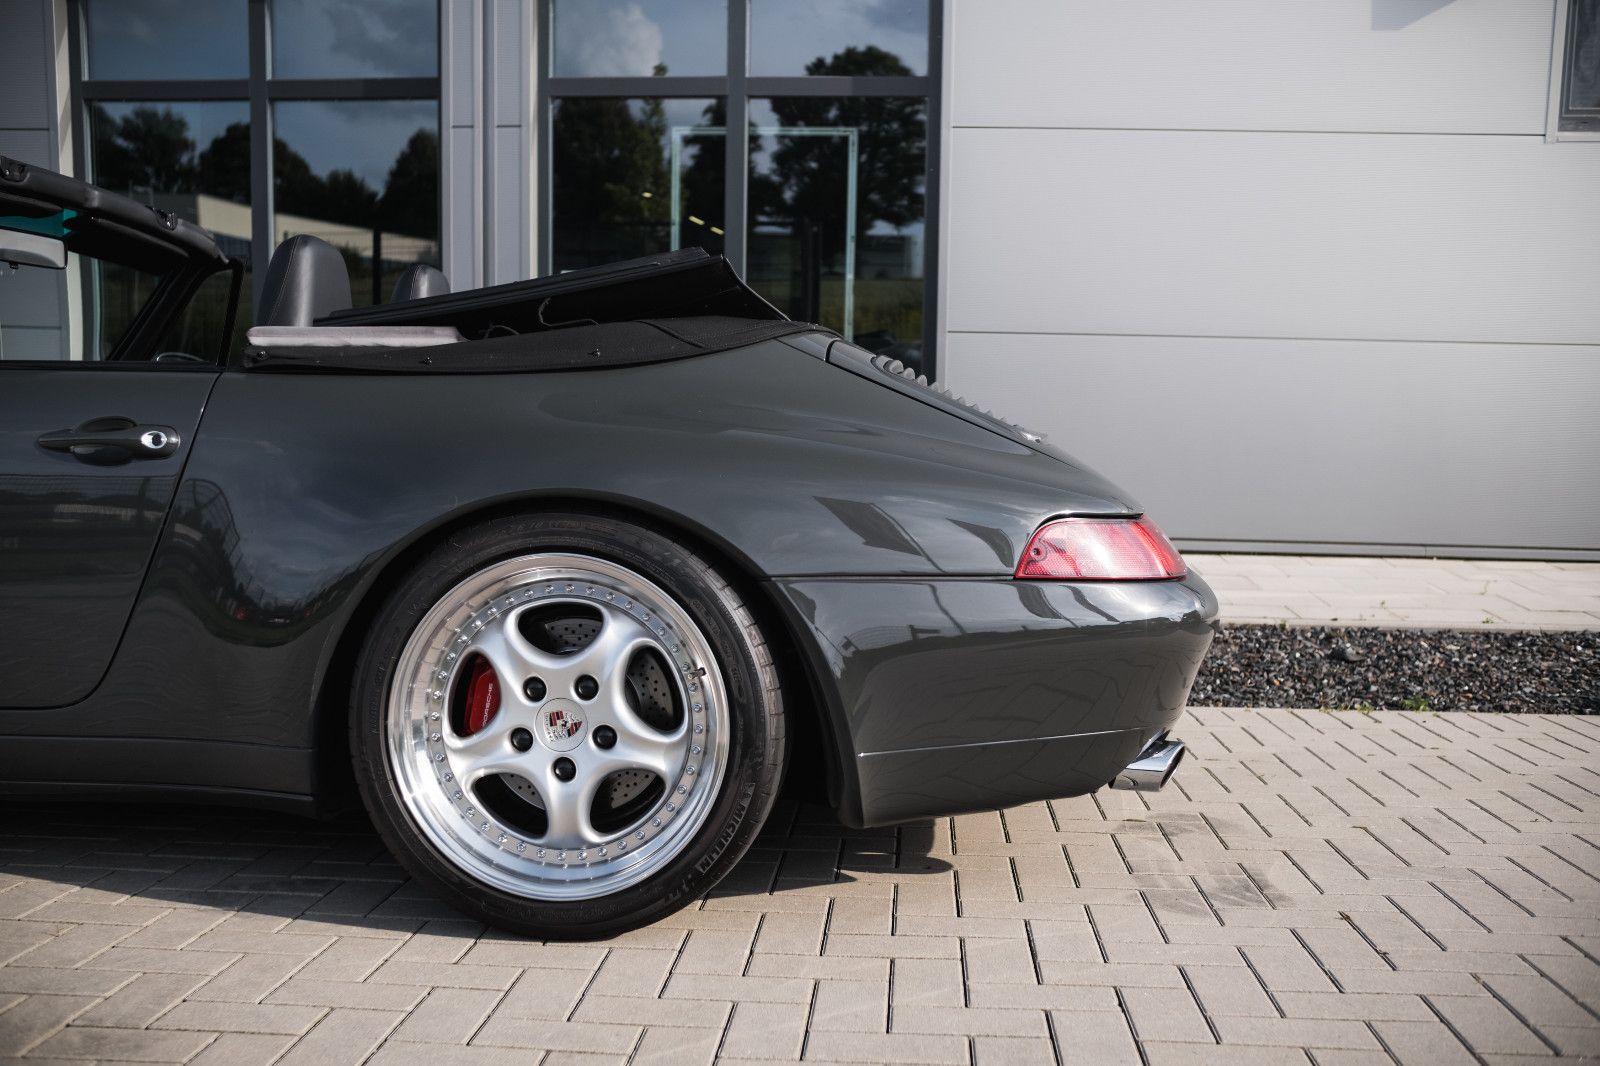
(1434, 447)
(460, 107)
(27, 79)
(1298, 274)
(1358, 236)
(25, 87)
(1457, 66)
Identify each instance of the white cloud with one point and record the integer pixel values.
(596, 39)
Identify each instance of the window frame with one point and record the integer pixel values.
(1563, 124)
(260, 90)
(737, 87)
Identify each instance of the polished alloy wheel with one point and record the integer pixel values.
(557, 727)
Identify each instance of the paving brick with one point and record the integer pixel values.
(126, 1045)
(36, 1017)
(343, 1035)
(1295, 1032)
(558, 1036)
(972, 1021)
(551, 995)
(1166, 1014)
(242, 1049)
(1092, 1037)
(851, 1006)
(369, 995)
(445, 975)
(759, 1030)
(241, 1018)
(670, 1045)
(738, 989)
(141, 1001)
(1023, 1051)
(162, 960)
(886, 1047)
(1487, 1026)
(48, 980)
(248, 980)
(399, 1053)
(722, 951)
(637, 1010)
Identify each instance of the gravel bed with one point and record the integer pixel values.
(1401, 669)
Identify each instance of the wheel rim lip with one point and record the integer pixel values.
(478, 844)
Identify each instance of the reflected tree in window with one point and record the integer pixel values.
(147, 150)
(806, 180)
(610, 180)
(800, 200)
(410, 201)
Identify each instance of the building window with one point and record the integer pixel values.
(339, 138)
(1580, 90)
(824, 201)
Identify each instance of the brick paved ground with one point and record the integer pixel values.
(1319, 887)
(1435, 593)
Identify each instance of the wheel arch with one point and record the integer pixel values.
(814, 715)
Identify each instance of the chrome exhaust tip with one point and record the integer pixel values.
(1153, 767)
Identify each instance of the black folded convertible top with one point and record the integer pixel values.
(593, 346)
(679, 284)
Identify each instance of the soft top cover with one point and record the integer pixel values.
(594, 346)
(680, 284)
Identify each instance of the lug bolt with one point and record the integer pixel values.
(533, 688)
(521, 739)
(587, 688)
(564, 770)
(604, 736)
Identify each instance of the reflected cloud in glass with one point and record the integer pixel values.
(167, 40)
(788, 38)
(640, 38)
(355, 38)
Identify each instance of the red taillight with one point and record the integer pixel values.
(1100, 549)
(481, 700)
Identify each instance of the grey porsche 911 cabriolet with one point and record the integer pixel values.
(559, 577)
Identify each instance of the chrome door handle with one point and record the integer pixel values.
(100, 436)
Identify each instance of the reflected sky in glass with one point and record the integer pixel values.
(166, 39)
(631, 38)
(354, 38)
(786, 36)
(363, 136)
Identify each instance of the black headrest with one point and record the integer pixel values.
(419, 281)
(306, 280)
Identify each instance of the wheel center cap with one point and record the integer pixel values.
(561, 725)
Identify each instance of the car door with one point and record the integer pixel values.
(90, 456)
(112, 325)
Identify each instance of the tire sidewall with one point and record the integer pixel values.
(755, 752)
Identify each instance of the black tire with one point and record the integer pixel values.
(755, 721)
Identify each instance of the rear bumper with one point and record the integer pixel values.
(963, 694)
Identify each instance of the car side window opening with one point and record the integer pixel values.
(73, 296)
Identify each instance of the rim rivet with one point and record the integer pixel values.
(564, 769)
(521, 739)
(533, 688)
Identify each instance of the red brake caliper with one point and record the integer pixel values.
(483, 696)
